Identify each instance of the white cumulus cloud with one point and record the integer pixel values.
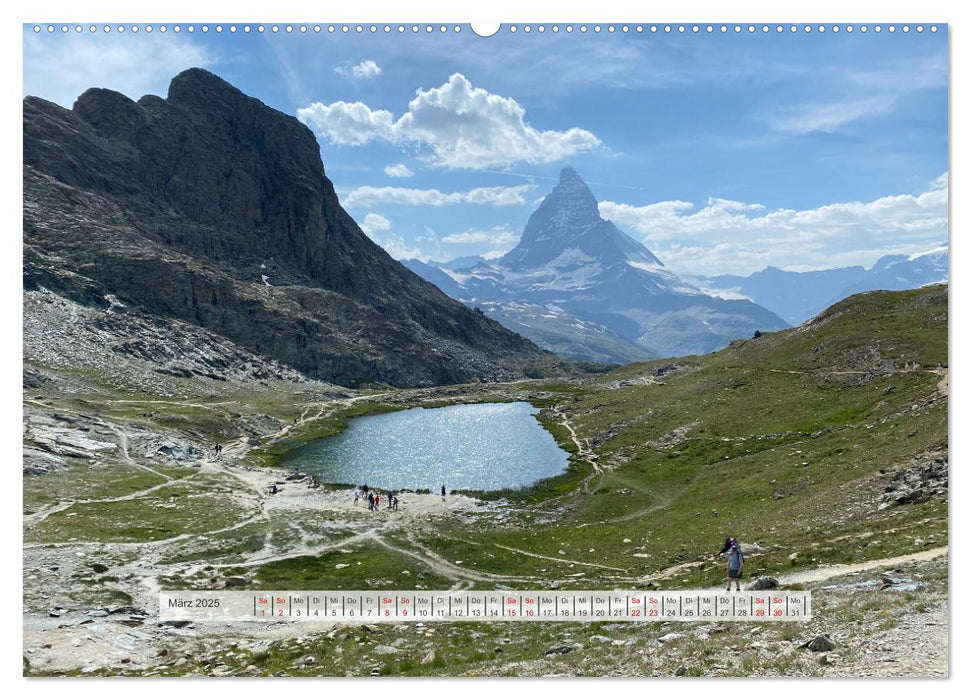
(458, 125)
(495, 196)
(398, 170)
(727, 236)
(398, 249)
(363, 70)
(348, 123)
(373, 223)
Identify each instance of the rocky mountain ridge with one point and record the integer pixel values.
(210, 208)
(798, 296)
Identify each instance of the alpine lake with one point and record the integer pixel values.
(482, 447)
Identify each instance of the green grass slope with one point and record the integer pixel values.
(788, 441)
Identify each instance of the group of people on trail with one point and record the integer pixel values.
(735, 562)
(915, 367)
(373, 498)
(218, 452)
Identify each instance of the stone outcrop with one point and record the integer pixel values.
(210, 208)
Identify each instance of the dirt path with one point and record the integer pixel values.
(557, 559)
(127, 458)
(827, 572)
(582, 451)
(442, 566)
(41, 515)
(821, 573)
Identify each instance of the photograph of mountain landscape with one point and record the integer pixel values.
(325, 326)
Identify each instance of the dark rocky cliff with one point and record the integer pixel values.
(210, 207)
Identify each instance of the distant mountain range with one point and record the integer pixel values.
(798, 296)
(210, 209)
(579, 286)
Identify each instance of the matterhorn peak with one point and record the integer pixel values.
(572, 200)
(568, 173)
(568, 220)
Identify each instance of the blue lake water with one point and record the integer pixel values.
(483, 446)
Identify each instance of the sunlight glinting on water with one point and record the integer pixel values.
(470, 446)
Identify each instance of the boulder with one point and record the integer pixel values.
(819, 643)
(764, 583)
(562, 649)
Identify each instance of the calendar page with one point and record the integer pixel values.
(516, 349)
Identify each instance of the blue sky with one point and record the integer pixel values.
(724, 153)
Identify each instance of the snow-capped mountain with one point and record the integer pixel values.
(798, 296)
(585, 270)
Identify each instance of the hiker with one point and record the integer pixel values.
(443, 493)
(370, 501)
(390, 499)
(357, 495)
(735, 561)
(396, 503)
(364, 488)
(274, 489)
(377, 502)
(940, 368)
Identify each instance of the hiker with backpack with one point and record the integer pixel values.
(735, 561)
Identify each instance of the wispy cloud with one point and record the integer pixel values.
(59, 67)
(458, 125)
(496, 237)
(857, 94)
(494, 196)
(829, 116)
